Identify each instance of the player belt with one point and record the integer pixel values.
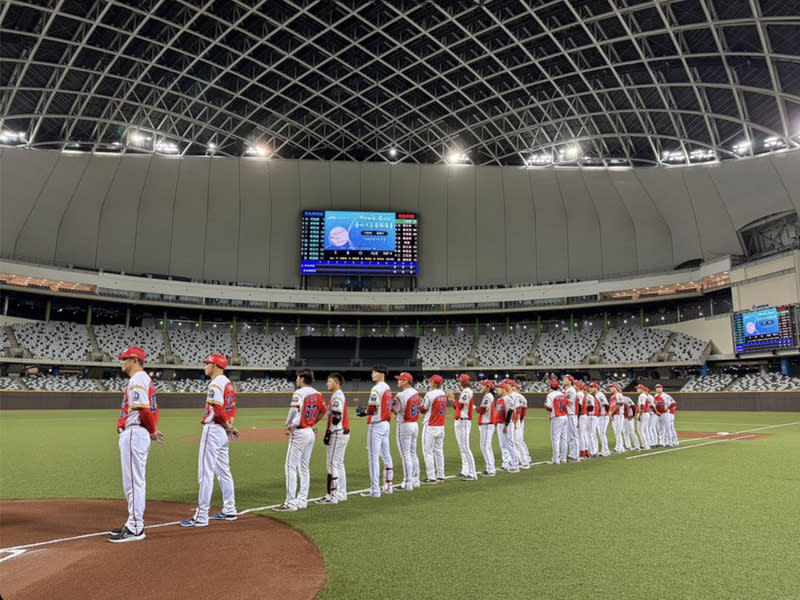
(342, 431)
(463, 419)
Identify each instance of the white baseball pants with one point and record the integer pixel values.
(520, 445)
(214, 460)
(298, 456)
(134, 448)
(487, 433)
(558, 434)
(618, 425)
(594, 426)
(602, 430)
(378, 450)
(629, 434)
(407, 436)
(673, 435)
(433, 451)
(644, 430)
(505, 433)
(652, 430)
(463, 427)
(335, 459)
(572, 435)
(663, 429)
(583, 433)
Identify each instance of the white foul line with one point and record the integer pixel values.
(11, 554)
(731, 437)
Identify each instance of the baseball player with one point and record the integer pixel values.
(379, 418)
(337, 436)
(601, 410)
(556, 404)
(594, 421)
(486, 425)
(662, 402)
(506, 409)
(572, 418)
(629, 430)
(521, 412)
(462, 422)
(643, 419)
(306, 409)
(616, 412)
(585, 409)
(137, 427)
(215, 444)
(673, 406)
(406, 409)
(434, 407)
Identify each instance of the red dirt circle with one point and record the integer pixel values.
(252, 558)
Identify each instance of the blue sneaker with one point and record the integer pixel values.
(193, 523)
(225, 516)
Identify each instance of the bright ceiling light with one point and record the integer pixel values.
(702, 154)
(8, 136)
(456, 157)
(212, 146)
(139, 138)
(539, 159)
(257, 150)
(742, 147)
(774, 142)
(167, 147)
(393, 152)
(673, 156)
(570, 153)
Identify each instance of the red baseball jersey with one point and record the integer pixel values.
(660, 404)
(436, 404)
(499, 411)
(140, 393)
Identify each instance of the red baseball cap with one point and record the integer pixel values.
(510, 382)
(464, 378)
(641, 386)
(595, 384)
(134, 352)
(488, 383)
(217, 359)
(554, 385)
(405, 377)
(436, 380)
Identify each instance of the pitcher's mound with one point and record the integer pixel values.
(253, 558)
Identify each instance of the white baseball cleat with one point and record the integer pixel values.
(126, 535)
(285, 508)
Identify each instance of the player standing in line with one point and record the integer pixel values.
(521, 410)
(662, 402)
(673, 406)
(379, 411)
(556, 405)
(643, 420)
(462, 424)
(406, 409)
(486, 425)
(601, 410)
(337, 436)
(500, 420)
(594, 422)
(586, 408)
(307, 408)
(215, 445)
(629, 431)
(137, 427)
(616, 410)
(505, 427)
(434, 407)
(572, 418)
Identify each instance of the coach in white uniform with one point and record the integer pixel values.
(572, 418)
(337, 437)
(379, 428)
(462, 423)
(407, 408)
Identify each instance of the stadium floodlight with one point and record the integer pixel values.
(138, 138)
(212, 146)
(260, 150)
(774, 142)
(702, 154)
(11, 137)
(457, 157)
(393, 152)
(742, 147)
(673, 156)
(539, 159)
(167, 147)
(570, 154)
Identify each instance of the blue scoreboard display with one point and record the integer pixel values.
(765, 329)
(348, 243)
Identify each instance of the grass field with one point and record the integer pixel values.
(717, 521)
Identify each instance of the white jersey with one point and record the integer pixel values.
(642, 404)
(601, 398)
(295, 408)
(337, 408)
(572, 398)
(464, 398)
(402, 399)
(668, 400)
(487, 403)
(520, 401)
(137, 395)
(548, 401)
(215, 395)
(427, 402)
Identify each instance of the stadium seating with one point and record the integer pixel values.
(504, 348)
(686, 348)
(632, 344)
(438, 350)
(118, 385)
(278, 384)
(275, 349)
(10, 384)
(113, 339)
(711, 383)
(3, 342)
(562, 347)
(192, 346)
(190, 386)
(57, 339)
(765, 382)
(51, 383)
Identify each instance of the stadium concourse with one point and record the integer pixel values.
(509, 234)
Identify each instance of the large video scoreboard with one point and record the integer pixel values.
(338, 242)
(763, 329)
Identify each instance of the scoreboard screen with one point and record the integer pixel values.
(765, 329)
(339, 242)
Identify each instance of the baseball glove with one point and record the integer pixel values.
(361, 412)
(327, 439)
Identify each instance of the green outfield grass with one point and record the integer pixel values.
(718, 521)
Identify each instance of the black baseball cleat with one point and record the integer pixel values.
(429, 482)
(126, 535)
